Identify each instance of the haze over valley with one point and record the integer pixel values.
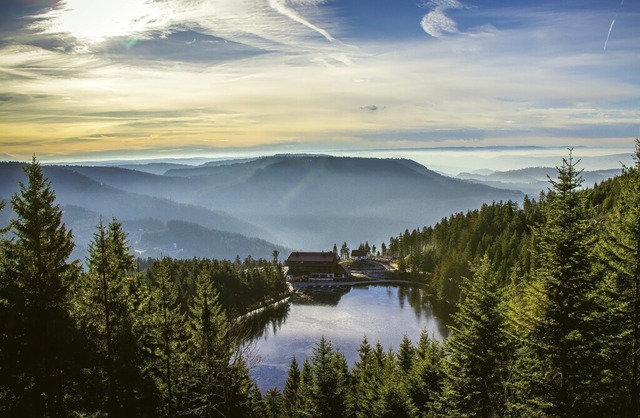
(254, 206)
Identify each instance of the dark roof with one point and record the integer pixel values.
(359, 253)
(342, 270)
(312, 257)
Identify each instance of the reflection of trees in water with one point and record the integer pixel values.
(322, 296)
(426, 305)
(272, 317)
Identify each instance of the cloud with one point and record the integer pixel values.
(266, 24)
(543, 80)
(281, 7)
(436, 23)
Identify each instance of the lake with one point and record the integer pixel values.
(343, 316)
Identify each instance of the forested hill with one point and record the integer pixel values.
(283, 201)
(444, 253)
(532, 180)
(548, 318)
(156, 224)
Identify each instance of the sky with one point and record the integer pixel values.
(98, 79)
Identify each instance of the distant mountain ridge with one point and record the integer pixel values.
(532, 180)
(306, 202)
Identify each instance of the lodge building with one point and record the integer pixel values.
(315, 266)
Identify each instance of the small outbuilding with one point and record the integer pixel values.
(359, 254)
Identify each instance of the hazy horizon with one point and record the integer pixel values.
(447, 160)
(84, 79)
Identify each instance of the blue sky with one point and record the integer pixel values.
(129, 78)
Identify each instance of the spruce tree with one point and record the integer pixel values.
(472, 385)
(164, 325)
(37, 339)
(619, 251)
(210, 346)
(559, 350)
(104, 311)
(367, 382)
(330, 380)
(291, 392)
(307, 405)
(426, 376)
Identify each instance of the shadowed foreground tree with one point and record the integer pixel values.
(558, 375)
(38, 344)
(472, 385)
(105, 312)
(619, 251)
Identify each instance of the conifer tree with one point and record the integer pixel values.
(426, 376)
(38, 333)
(472, 385)
(330, 380)
(104, 311)
(366, 382)
(558, 352)
(394, 400)
(307, 405)
(619, 250)
(165, 327)
(291, 392)
(211, 346)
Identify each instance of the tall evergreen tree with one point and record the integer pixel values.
(366, 381)
(472, 385)
(291, 392)
(214, 364)
(619, 250)
(330, 380)
(165, 327)
(307, 405)
(104, 311)
(37, 339)
(426, 376)
(561, 341)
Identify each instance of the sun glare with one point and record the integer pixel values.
(95, 21)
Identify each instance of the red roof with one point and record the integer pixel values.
(312, 257)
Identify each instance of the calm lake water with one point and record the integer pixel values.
(343, 316)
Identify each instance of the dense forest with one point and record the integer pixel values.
(547, 321)
(118, 337)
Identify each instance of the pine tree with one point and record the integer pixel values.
(307, 405)
(394, 400)
(426, 376)
(472, 385)
(619, 250)
(210, 347)
(38, 338)
(291, 392)
(103, 309)
(330, 380)
(165, 327)
(561, 340)
(366, 382)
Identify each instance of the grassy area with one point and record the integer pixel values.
(360, 265)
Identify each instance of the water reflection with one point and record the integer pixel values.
(268, 320)
(343, 315)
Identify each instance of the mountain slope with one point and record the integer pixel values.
(532, 180)
(84, 200)
(299, 201)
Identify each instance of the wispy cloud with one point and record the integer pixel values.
(265, 24)
(281, 7)
(257, 77)
(436, 22)
(606, 41)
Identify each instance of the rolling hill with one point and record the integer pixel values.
(285, 201)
